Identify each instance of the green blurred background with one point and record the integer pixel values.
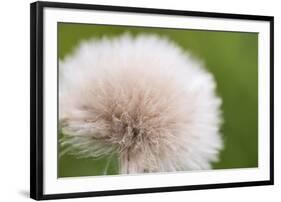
(232, 57)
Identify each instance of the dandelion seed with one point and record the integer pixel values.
(142, 98)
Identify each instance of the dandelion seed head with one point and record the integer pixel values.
(143, 98)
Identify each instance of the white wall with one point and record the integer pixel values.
(14, 100)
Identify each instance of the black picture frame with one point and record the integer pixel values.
(37, 101)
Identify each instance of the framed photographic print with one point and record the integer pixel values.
(136, 100)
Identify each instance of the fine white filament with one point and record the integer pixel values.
(142, 98)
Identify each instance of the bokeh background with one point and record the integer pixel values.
(232, 57)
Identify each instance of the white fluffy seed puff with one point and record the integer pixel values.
(142, 98)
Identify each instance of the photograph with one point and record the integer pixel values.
(130, 100)
(136, 100)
